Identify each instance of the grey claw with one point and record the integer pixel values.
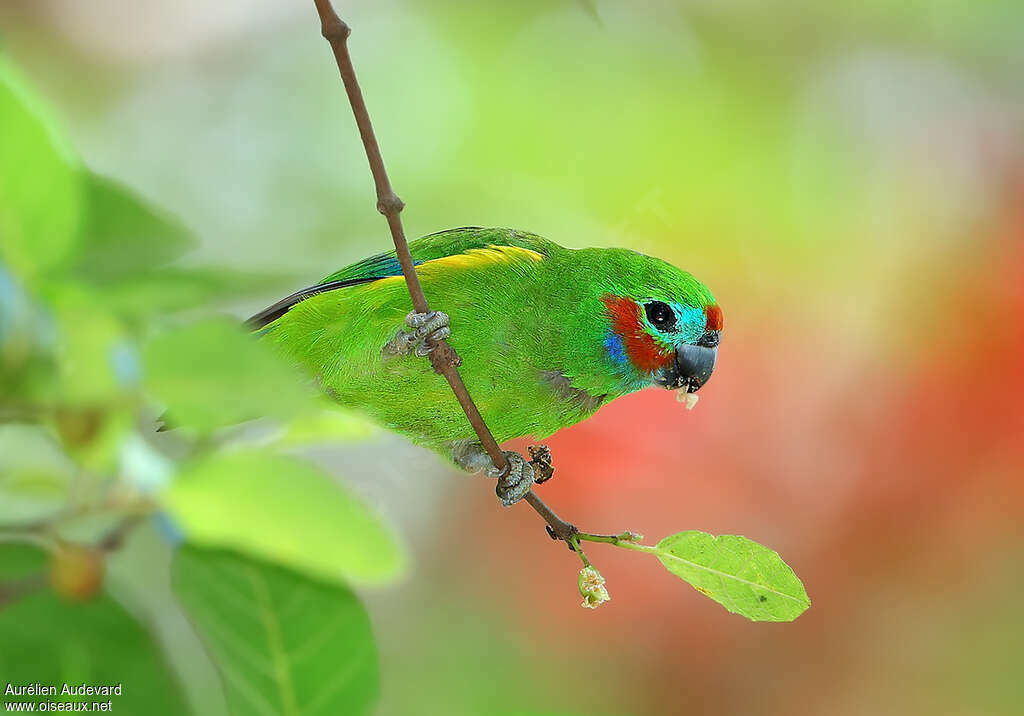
(428, 329)
(516, 482)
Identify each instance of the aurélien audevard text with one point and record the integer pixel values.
(38, 689)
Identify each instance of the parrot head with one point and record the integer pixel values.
(662, 326)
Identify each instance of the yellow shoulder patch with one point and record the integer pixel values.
(471, 258)
(475, 258)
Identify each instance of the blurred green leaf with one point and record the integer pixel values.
(212, 374)
(741, 575)
(94, 435)
(88, 342)
(121, 236)
(330, 425)
(283, 644)
(39, 191)
(25, 337)
(167, 290)
(49, 641)
(21, 561)
(34, 474)
(284, 510)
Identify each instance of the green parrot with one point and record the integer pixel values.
(547, 336)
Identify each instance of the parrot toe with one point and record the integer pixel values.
(521, 475)
(516, 482)
(426, 331)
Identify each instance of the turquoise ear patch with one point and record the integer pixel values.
(691, 322)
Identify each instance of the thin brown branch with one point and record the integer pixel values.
(443, 358)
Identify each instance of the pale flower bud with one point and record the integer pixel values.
(592, 588)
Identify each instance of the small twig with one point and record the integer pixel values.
(619, 540)
(114, 538)
(27, 536)
(556, 526)
(574, 545)
(11, 592)
(131, 506)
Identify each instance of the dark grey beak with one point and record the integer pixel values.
(691, 368)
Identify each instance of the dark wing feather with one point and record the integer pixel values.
(272, 313)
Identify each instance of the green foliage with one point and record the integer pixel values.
(330, 425)
(39, 184)
(124, 237)
(212, 374)
(741, 575)
(26, 342)
(49, 641)
(88, 283)
(87, 338)
(144, 297)
(286, 511)
(283, 644)
(34, 473)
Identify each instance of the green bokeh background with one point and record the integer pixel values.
(848, 179)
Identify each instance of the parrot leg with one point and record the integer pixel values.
(512, 486)
(427, 330)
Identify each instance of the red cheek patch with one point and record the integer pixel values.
(714, 315)
(643, 351)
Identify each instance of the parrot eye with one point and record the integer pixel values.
(660, 315)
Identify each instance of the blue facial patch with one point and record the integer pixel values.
(616, 348)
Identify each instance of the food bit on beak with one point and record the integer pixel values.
(689, 398)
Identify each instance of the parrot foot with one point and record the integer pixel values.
(428, 329)
(517, 480)
(513, 485)
(470, 455)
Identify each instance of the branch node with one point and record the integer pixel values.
(390, 204)
(333, 28)
(444, 357)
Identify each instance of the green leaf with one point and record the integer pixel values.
(89, 343)
(52, 642)
(170, 289)
(281, 509)
(212, 374)
(121, 236)
(329, 426)
(34, 474)
(25, 334)
(39, 182)
(741, 575)
(283, 644)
